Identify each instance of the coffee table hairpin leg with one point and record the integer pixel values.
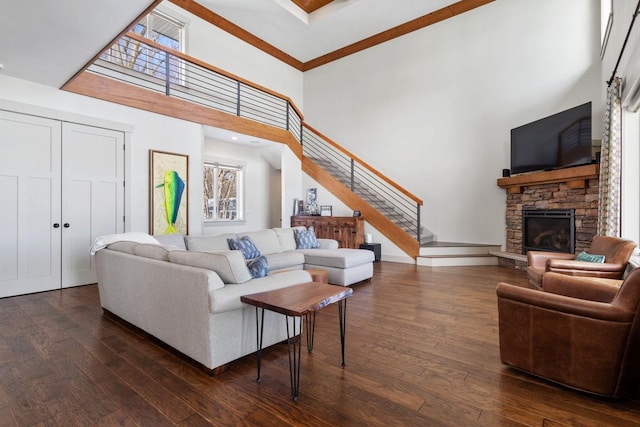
(342, 316)
(294, 344)
(259, 334)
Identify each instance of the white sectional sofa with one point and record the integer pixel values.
(278, 245)
(190, 299)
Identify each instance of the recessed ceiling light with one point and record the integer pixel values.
(234, 138)
(254, 142)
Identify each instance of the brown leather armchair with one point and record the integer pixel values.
(616, 253)
(582, 335)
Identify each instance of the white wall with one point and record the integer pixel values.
(150, 131)
(433, 109)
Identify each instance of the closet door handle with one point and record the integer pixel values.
(56, 225)
(66, 225)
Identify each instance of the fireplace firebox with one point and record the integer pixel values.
(548, 230)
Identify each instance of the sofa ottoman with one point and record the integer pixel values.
(344, 266)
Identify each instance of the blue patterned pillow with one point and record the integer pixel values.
(258, 267)
(246, 245)
(306, 239)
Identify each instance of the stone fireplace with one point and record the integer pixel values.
(573, 189)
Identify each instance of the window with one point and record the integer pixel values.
(161, 29)
(223, 192)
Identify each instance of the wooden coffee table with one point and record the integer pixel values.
(298, 301)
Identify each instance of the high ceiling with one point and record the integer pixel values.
(49, 41)
(307, 36)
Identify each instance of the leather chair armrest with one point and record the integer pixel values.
(572, 265)
(587, 288)
(538, 259)
(563, 304)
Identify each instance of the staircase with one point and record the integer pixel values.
(210, 96)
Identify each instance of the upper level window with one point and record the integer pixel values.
(223, 188)
(161, 29)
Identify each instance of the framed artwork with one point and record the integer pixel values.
(312, 196)
(168, 195)
(326, 210)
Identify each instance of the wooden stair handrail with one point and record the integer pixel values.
(363, 164)
(210, 67)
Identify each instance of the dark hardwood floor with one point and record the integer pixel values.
(421, 350)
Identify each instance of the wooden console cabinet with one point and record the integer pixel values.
(348, 231)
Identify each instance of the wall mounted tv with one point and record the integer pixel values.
(557, 141)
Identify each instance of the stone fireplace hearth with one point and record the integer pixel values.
(573, 189)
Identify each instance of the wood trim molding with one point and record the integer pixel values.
(575, 177)
(93, 85)
(416, 24)
(364, 164)
(401, 30)
(231, 28)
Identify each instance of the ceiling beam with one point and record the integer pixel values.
(400, 30)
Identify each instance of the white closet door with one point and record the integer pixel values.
(92, 196)
(29, 204)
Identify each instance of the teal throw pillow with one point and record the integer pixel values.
(306, 239)
(246, 245)
(258, 267)
(583, 256)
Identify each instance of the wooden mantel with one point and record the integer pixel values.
(575, 177)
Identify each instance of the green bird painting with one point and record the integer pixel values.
(173, 189)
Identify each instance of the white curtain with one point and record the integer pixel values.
(610, 164)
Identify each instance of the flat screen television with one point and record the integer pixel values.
(558, 141)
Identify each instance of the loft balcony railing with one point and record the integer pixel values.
(138, 61)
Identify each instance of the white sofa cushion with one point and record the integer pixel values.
(228, 298)
(230, 265)
(265, 240)
(209, 243)
(171, 239)
(339, 258)
(285, 260)
(286, 238)
(158, 252)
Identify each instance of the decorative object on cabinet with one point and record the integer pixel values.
(347, 231)
(168, 175)
(326, 210)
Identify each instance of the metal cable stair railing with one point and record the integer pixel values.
(138, 61)
(400, 207)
